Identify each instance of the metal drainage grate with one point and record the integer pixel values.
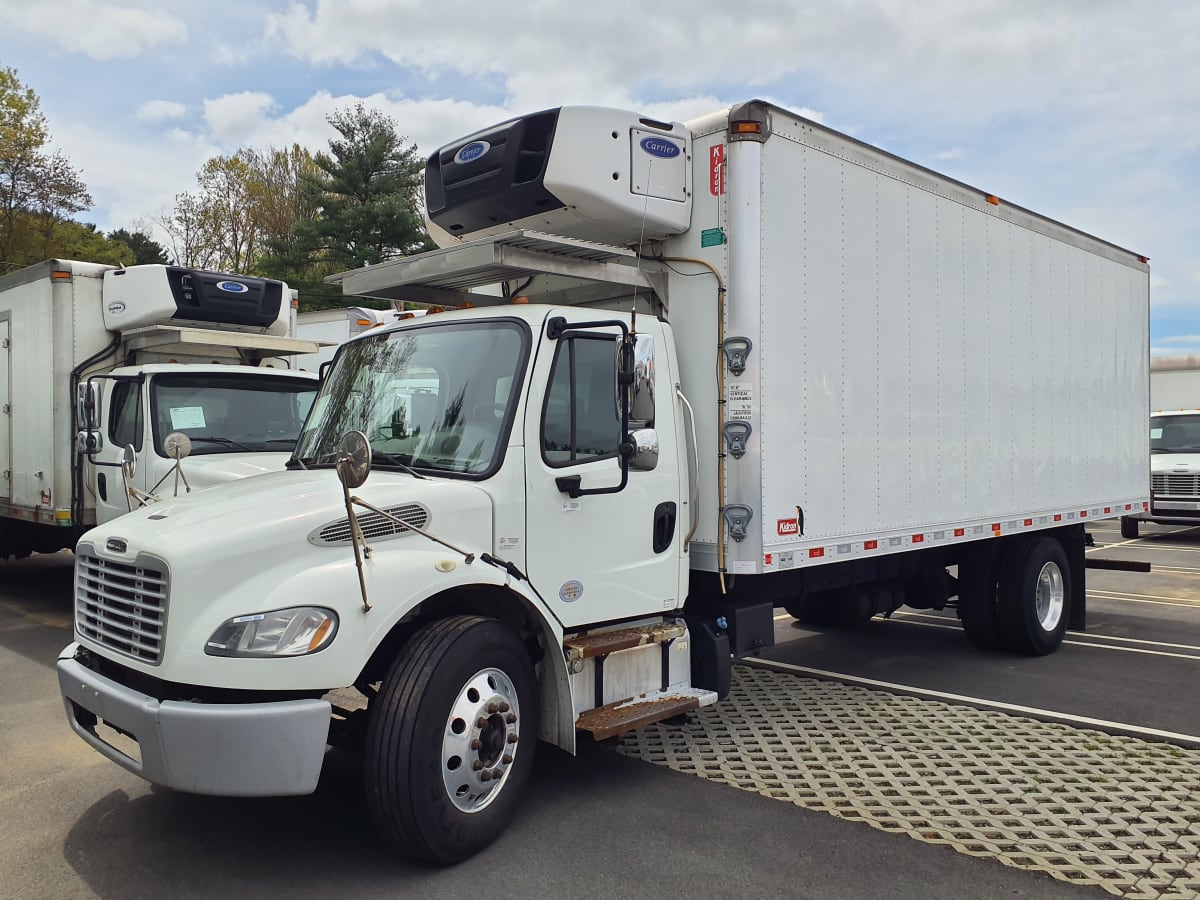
(1084, 806)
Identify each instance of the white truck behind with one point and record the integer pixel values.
(1174, 445)
(333, 327)
(696, 371)
(96, 358)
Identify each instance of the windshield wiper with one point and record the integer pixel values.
(389, 460)
(220, 440)
(293, 463)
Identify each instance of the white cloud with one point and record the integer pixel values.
(95, 29)
(160, 111)
(235, 118)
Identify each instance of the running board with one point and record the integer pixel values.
(618, 718)
(601, 643)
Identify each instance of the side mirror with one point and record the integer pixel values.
(87, 405)
(89, 442)
(635, 377)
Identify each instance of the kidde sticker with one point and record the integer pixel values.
(716, 170)
(787, 526)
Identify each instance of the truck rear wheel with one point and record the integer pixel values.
(1034, 595)
(1129, 527)
(450, 739)
(977, 606)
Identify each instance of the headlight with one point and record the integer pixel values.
(284, 632)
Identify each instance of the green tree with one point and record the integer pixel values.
(368, 191)
(39, 189)
(143, 248)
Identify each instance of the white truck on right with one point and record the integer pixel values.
(740, 362)
(1174, 445)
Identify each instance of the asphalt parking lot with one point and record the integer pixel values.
(780, 793)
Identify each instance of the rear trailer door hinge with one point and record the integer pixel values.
(737, 517)
(737, 433)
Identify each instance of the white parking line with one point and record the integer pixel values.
(1034, 712)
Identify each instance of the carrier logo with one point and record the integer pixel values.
(115, 309)
(232, 287)
(116, 545)
(787, 526)
(659, 147)
(471, 152)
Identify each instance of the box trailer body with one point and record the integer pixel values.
(333, 327)
(148, 336)
(689, 372)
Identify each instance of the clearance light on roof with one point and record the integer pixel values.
(993, 199)
(365, 323)
(746, 127)
(402, 316)
(521, 299)
(60, 275)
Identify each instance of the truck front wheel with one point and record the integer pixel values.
(1034, 595)
(450, 739)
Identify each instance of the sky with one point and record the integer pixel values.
(1086, 111)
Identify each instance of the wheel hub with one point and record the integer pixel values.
(1050, 598)
(481, 740)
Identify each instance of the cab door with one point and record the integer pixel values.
(599, 557)
(123, 412)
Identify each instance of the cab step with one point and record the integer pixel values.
(587, 645)
(624, 716)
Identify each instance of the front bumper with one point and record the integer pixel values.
(224, 749)
(1166, 512)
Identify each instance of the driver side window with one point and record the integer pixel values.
(579, 421)
(125, 417)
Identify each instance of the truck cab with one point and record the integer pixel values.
(1174, 472)
(240, 421)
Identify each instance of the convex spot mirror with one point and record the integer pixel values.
(129, 462)
(645, 450)
(353, 459)
(177, 445)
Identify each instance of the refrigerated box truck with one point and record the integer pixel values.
(145, 352)
(695, 371)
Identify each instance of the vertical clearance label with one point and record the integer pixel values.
(716, 170)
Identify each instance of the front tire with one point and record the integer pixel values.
(1129, 528)
(450, 739)
(1034, 594)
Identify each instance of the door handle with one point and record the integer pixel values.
(664, 526)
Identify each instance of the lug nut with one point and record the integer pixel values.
(512, 738)
(481, 722)
(507, 760)
(477, 765)
(492, 707)
(504, 707)
(485, 776)
(475, 745)
(497, 774)
(510, 718)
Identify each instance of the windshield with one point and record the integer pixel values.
(230, 412)
(436, 397)
(1175, 434)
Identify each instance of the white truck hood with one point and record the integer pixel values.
(1174, 463)
(211, 469)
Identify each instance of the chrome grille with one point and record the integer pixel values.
(374, 526)
(1175, 485)
(121, 606)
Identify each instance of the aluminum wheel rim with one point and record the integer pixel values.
(1050, 596)
(481, 739)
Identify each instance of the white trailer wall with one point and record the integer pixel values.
(929, 359)
(926, 365)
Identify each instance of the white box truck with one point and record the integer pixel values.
(147, 351)
(731, 364)
(1174, 445)
(333, 327)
